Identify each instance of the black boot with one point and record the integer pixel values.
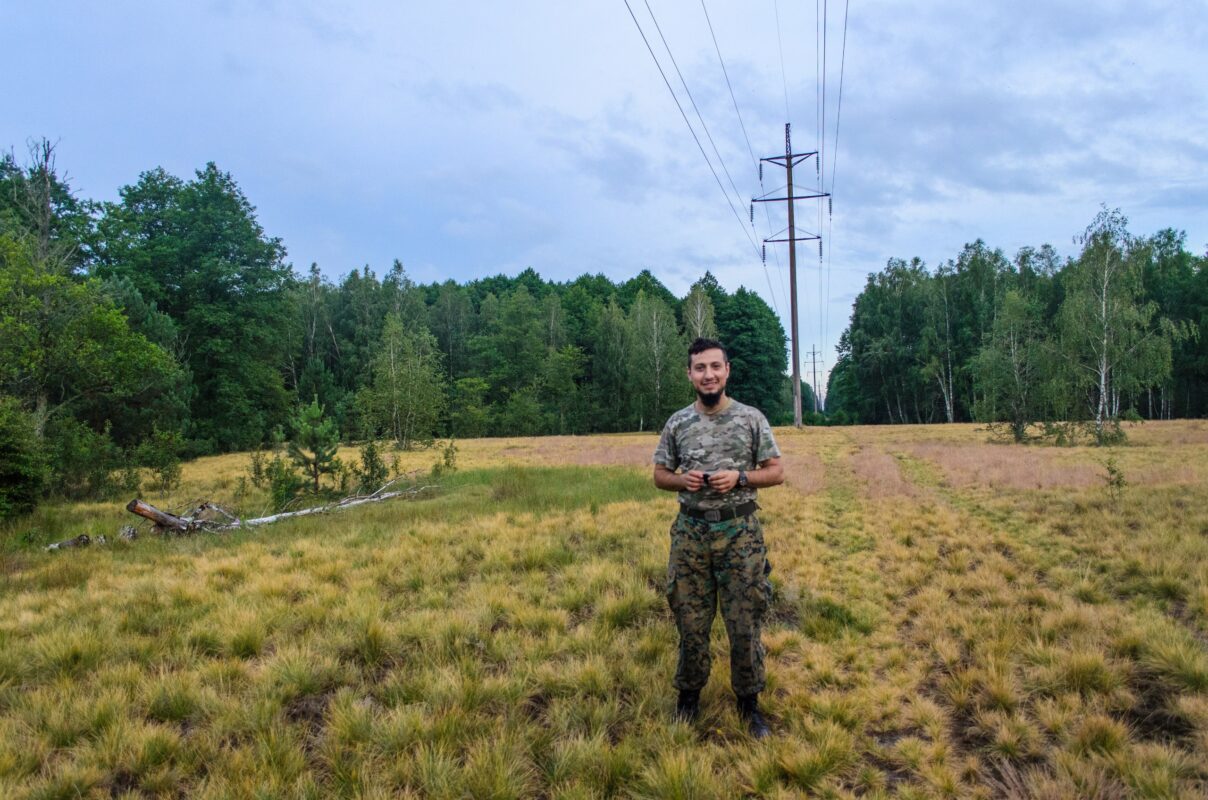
(748, 711)
(687, 708)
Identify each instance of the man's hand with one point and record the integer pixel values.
(693, 480)
(669, 480)
(724, 480)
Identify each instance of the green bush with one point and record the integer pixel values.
(447, 464)
(270, 470)
(87, 464)
(284, 482)
(161, 453)
(22, 470)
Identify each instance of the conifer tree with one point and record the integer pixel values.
(314, 443)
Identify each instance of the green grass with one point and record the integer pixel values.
(507, 636)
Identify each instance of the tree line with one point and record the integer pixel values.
(1036, 344)
(169, 324)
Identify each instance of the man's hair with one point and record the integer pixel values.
(702, 344)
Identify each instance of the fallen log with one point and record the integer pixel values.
(347, 502)
(162, 519)
(200, 518)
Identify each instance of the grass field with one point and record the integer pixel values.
(953, 618)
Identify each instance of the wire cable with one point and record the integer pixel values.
(835, 156)
(818, 110)
(783, 76)
(691, 130)
(839, 108)
(692, 100)
(820, 130)
(733, 99)
(822, 144)
(754, 158)
(705, 127)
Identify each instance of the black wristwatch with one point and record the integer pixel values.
(742, 477)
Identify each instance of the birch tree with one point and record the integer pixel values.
(1113, 341)
(657, 361)
(1009, 368)
(937, 338)
(698, 315)
(610, 367)
(406, 395)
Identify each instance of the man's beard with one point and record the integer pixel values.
(709, 399)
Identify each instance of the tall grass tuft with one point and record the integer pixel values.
(1178, 660)
(677, 775)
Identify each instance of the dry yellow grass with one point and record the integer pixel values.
(953, 618)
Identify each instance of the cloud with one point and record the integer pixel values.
(540, 134)
(467, 97)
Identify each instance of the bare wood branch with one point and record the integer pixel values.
(195, 520)
(347, 502)
(161, 518)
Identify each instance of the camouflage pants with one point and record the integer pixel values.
(712, 560)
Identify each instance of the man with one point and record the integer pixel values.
(723, 451)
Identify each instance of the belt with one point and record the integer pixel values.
(720, 514)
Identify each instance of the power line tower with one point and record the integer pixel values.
(788, 161)
(814, 364)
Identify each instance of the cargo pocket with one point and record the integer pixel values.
(669, 592)
(672, 557)
(761, 593)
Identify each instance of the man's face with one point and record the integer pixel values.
(709, 371)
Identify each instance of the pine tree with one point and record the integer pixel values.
(314, 443)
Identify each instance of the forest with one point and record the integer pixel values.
(1038, 345)
(169, 325)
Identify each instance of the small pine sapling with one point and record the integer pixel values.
(314, 443)
(447, 464)
(372, 472)
(1113, 478)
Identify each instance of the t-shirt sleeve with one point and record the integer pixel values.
(667, 453)
(765, 442)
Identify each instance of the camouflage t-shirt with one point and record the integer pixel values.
(737, 438)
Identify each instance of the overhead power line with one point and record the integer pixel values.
(729, 86)
(783, 76)
(751, 151)
(835, 159)
(839, 107)
(691, 130)
(692, 100)
(696, 138)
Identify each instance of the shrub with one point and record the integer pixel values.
(284, 483)
(87, 464)
(161, 453)
(256, 468)
(1113, 478)
(447, 464)
(22, 471)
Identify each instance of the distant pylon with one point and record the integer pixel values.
(788, 161)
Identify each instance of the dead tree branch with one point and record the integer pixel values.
(205, 516)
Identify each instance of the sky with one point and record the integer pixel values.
(479, 138)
